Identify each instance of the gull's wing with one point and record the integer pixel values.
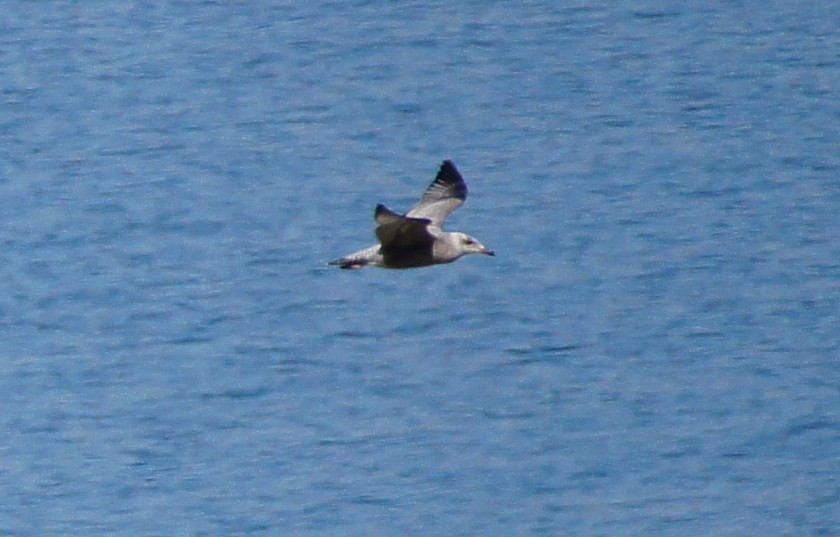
(384, 215)
(398, 234)
(446, 193)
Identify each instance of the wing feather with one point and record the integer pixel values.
(402, 234)
(446, 193)
(384, 215)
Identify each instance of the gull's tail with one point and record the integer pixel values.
(348, 262)
(368, 256)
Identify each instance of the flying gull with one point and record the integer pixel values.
(416, 238)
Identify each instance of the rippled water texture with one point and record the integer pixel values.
(653, 351)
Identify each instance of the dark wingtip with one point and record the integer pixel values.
(448, 167)
(449, 175)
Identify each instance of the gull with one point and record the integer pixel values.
(416, 238)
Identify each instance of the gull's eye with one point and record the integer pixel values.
(469, 241)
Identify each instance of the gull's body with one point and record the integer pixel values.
(416, 238)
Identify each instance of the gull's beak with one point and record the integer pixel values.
(488, 251)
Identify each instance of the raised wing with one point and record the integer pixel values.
(446, 193)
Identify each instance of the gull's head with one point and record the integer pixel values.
(471, 245)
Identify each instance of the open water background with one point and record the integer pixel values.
(655, 350)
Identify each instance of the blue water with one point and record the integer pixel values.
(655, 350)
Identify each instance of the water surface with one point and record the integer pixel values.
(653, 351)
